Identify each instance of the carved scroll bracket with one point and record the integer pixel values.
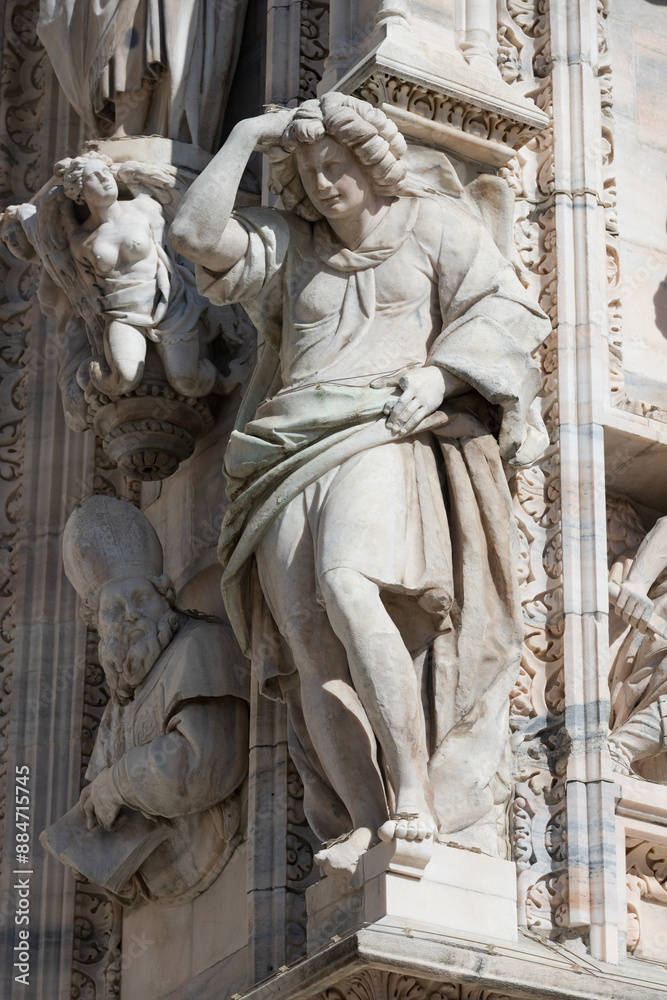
(452, 114)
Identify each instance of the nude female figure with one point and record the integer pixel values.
(144, 295)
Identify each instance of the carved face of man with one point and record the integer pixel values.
(99, 184)
(333, 179)
(135, 623)
(15, 239)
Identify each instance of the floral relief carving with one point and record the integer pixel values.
(383, 90)
(313, 46)
(378, 984)
(646, 878)
(539, 827)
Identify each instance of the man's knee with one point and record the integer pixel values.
(347, 591)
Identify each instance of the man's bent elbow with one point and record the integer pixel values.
(183, 239)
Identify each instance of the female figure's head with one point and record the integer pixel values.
(337, 150)
(88, 179)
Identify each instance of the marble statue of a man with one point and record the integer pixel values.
(369, 548)
(172, 744)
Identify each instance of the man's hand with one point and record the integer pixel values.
(268, 128)
(100, 801)
(634, 606)
(423, 392)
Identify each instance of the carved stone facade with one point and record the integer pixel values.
(539, 123)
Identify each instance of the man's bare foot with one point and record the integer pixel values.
(342, 856)
(111, 383)
(408, 825)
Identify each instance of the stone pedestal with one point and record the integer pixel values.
(455, 890)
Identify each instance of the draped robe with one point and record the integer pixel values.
(185, 52)
(427, 287)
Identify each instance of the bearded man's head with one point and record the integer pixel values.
(136, 620)
(113, 557)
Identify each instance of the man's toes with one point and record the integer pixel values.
(387, 831)
(402, 829)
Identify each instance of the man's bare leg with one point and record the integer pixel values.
(384, 676)
(338, 726)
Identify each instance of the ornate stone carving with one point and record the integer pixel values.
(348, 796)
(313, 47)
(134, 338)
(172, 741)
(377, 984)
(21, 97)
(646, 878)
(538, 701)
(301, 845)
(489, 132)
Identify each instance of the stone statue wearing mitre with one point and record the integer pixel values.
(164, 808)
(370, 549)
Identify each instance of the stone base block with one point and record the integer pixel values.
(456, 890)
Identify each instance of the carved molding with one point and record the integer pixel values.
(377, 984)
(449, 119)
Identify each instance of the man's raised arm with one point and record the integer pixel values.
(203, 230)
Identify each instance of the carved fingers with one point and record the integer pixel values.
(423, 390)
(634, 607)
(270, 127)
(100, 802)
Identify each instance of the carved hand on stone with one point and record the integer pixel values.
(100, 801)
(634, 606)
(422, 392)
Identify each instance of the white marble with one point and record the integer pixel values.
(340, 287)
(164, 809)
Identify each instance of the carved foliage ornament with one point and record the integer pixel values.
(377, 984)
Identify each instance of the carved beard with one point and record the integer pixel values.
(125, 663)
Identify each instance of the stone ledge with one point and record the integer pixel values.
(528, 970)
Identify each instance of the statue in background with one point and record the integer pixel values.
(145, 67)
(386, 616)
(638, 679)
(163, 811)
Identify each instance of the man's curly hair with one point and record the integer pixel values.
(70, 171)
(365, 130)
